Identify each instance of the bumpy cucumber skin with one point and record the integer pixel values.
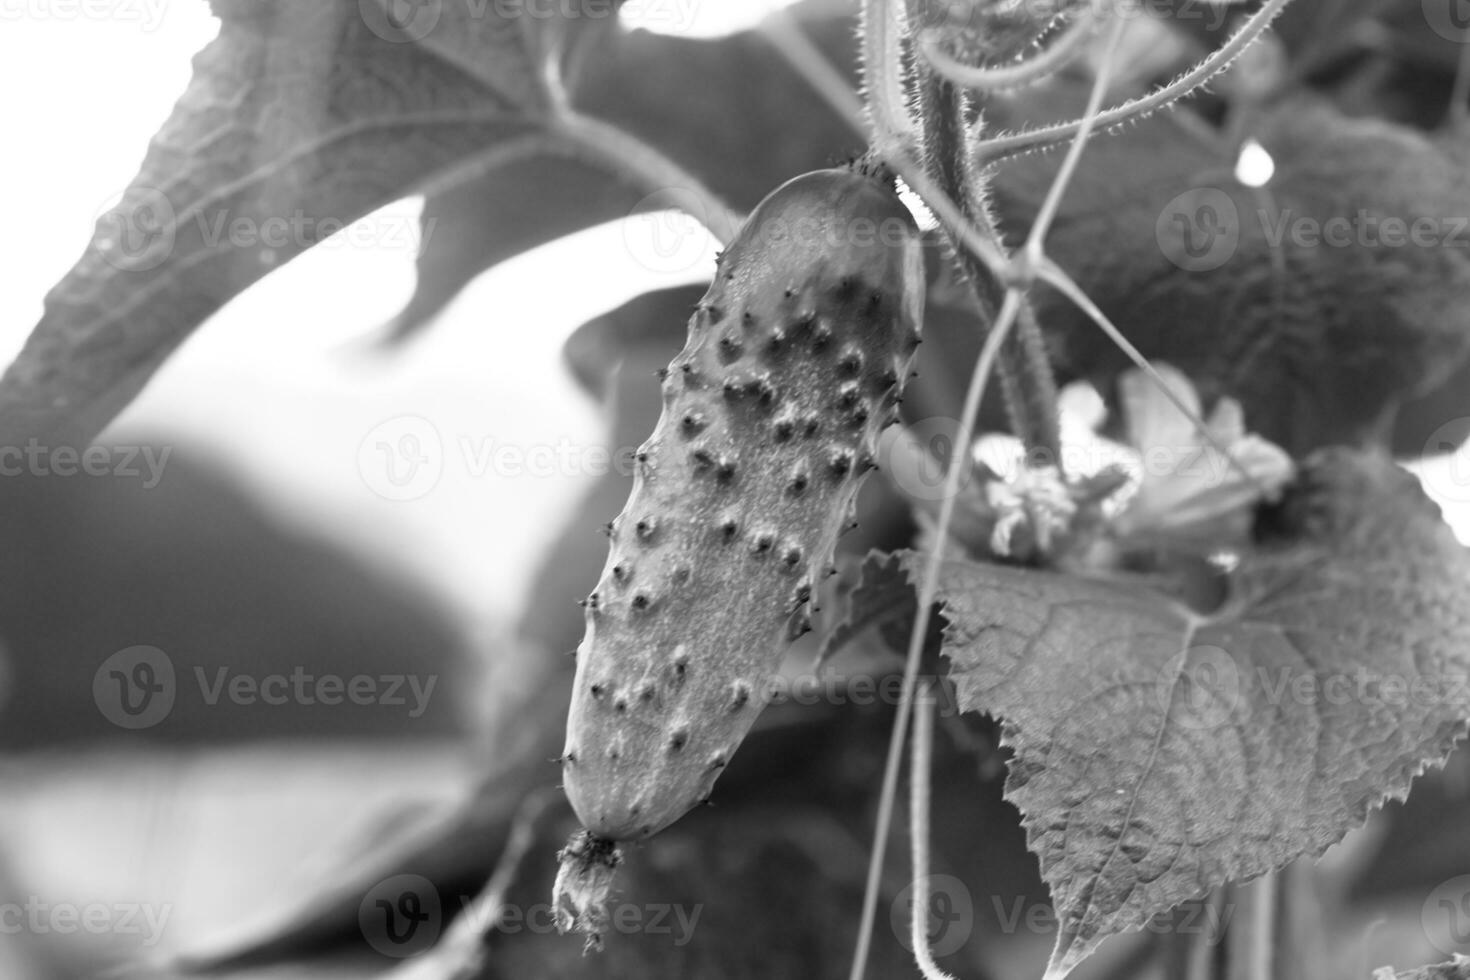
(794, 364)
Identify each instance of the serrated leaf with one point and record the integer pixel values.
(1319, 338)
(1159, 752)
(299, 119)
(882, 600)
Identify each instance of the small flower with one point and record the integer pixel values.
(1193, 484)
(1036, 498)
(1167, 484)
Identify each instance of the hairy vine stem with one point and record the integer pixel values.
(998, 78)
(883, 79)
(1002, 147)
(891, 122)
(1052, 203)
(807, 60)
(929, 581)
(1025, 374)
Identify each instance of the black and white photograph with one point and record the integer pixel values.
(735, 490)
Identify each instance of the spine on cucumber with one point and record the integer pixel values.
(794, 363)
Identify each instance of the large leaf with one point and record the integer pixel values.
(1159, 752)
(1319, 339)
(882, 600)
(730, 110)
(300, 118)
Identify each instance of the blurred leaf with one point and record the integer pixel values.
(883, 600)
(1437, 423)
(453, 847)
(518, 205)
(186, 561)
(803, 755)
(1319, 339)
(644, 333)
(1303, 27)
(1159, 752)
(1439, 420)
(300, 118)
(730, 110)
